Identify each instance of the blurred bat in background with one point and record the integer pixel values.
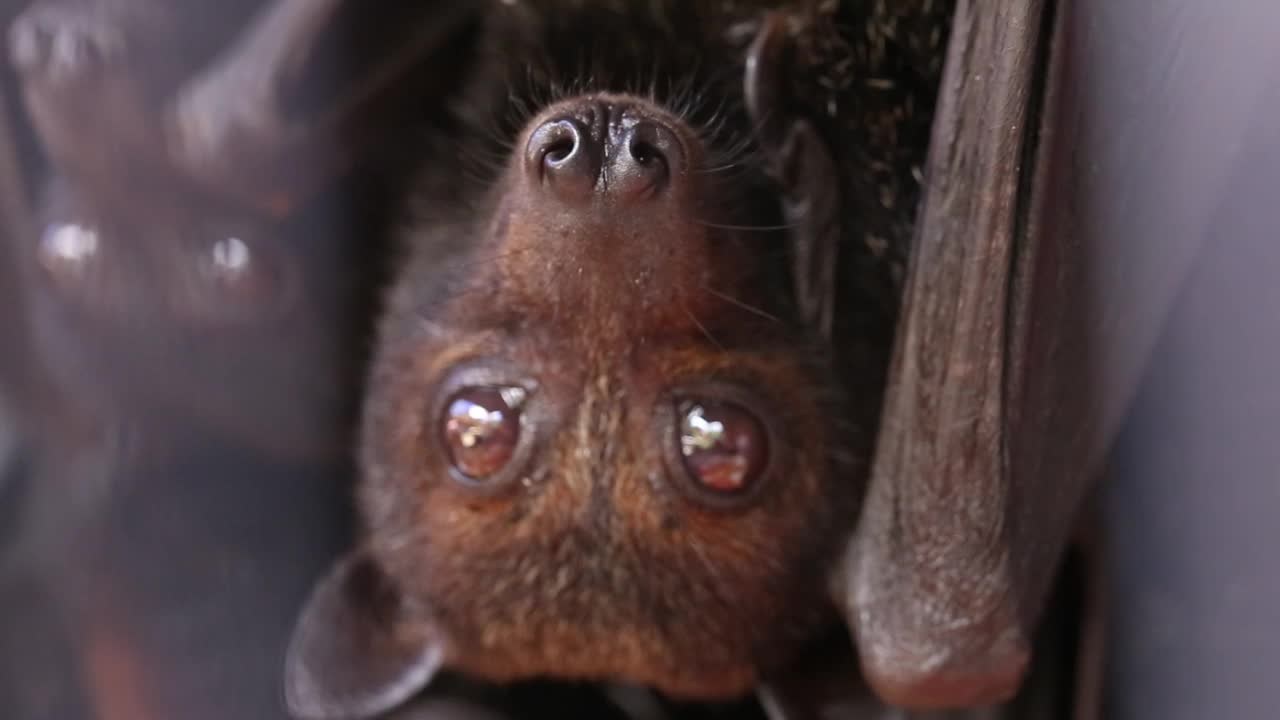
(157, 248)
(260, 101)
(185, 336)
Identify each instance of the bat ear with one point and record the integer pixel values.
(811, 205)
(802, 164)
(357, 652)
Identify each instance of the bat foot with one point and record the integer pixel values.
(227, 131)
(83, 83)
(60, 46)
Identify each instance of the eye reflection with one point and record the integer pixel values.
(68, 245)
(241, 274)
(231, 255)
(482, 429)
(724, 446)
(230, 262)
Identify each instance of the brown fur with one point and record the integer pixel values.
(591, 563)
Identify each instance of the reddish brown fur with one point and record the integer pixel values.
(592, 563)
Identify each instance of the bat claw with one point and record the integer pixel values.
(61, 46)
(207, 132)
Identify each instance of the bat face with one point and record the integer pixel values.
(596, 444)
(193, 311)
(160, 300)
(603, 455)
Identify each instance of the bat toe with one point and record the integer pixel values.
(61, 45)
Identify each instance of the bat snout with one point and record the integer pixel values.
(611, 149)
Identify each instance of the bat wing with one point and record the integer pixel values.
(932, 593)
(994, 424)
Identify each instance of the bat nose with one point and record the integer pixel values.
(603, 150)
(565, 156)
(642, 157)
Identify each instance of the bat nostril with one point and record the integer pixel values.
(559, 151)
(563, 156)
(645, 153)
(650, 156)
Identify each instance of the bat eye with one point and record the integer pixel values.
(68, 245)
(232, 264)
(238, 280)
(482, 429)
(724, 446)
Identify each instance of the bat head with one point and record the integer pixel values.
(597, 444)
(161, 307)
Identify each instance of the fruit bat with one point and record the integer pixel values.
(791, 145)
(619, 417)
(168, 251)
(184, 330)
(976, 485)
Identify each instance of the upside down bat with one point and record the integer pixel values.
(790, 156)
(619, 417)
(192, 331)
(572, 460)
(158, 250)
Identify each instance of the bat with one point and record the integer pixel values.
(223, 95)
(943, 605)
(790, 146)
(212, 291)
(604, 437)
(194, 341)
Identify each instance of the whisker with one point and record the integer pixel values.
(745, 306)
(470, 287)
(731, 172)
(477, 262)
(426, 310)
(483, 164)
(749, 228)
(706, 333)
(719, 168)
(735, 146)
